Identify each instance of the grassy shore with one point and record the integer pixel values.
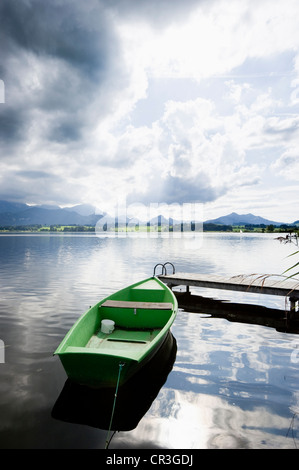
(47, 228)
(155, 228)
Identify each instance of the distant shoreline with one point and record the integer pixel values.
(205, 227)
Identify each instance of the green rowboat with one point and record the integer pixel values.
(117, 336)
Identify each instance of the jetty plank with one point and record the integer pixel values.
(271, 285)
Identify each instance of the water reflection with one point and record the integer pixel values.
(239, 312)
(185, 420)
(234, 382)
(83, 405)
(228, 389)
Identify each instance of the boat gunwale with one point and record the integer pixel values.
(62, 348)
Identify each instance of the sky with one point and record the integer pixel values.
(143, 102)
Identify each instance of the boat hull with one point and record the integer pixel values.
(77, 403)
(142, 313)
(104, 370)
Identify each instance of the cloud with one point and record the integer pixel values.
(217, 38)
(77, 74)
(75, 35)
(285, 128)
(177, 190)
(156, 12)
(287, 164)
(195, 156)
(59, 59)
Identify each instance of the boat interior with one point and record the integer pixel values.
(138, 314)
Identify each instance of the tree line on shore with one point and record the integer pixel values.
(206, 227)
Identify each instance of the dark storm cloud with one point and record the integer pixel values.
(59, 29)
(64, 68)
(65, 131)
(23, 184)
(11, 122)
(69, 49)
(29, 174)
(158, 12)
(73, 49)
(174, 189)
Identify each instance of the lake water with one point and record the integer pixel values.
(227, 384)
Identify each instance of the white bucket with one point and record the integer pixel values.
(107, 326)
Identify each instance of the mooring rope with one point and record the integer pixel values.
(121, 365)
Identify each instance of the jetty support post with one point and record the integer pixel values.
(294, 312)
(174, 285)
(288, 289)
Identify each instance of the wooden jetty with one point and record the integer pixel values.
(254, 283)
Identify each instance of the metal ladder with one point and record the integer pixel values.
(164, 270)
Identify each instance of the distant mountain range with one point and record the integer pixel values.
(13, 214)
(243, 219)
